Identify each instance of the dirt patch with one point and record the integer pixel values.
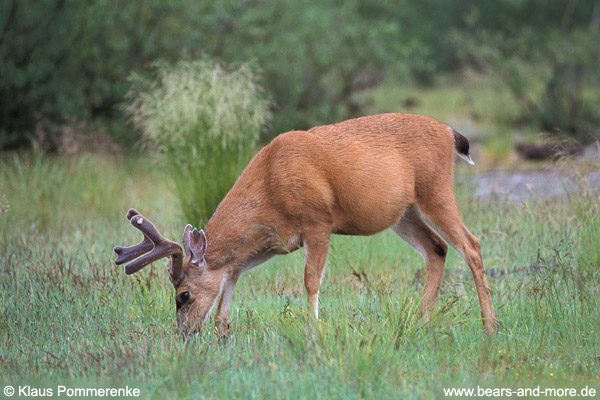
(538, 184)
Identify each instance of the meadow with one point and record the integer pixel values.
(158, 105)
(71, 317)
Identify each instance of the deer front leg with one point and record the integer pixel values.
(222, 317)
(316, 247)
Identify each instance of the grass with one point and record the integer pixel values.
(71, 317)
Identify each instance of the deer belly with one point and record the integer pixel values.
(366, 212)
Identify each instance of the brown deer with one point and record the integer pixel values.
(357, 177)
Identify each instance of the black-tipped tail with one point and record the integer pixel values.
(461, 146)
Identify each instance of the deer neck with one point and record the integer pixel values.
(236, 234)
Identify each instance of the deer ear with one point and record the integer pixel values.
(186, 239)
(197, 246)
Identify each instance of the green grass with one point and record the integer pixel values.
(69, 316)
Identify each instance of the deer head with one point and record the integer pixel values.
(196, 285)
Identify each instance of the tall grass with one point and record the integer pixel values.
(206, 120)
(46, 190)
(69, 316)
(587, 217)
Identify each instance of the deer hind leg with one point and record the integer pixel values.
(316, 247)
(419, 235)
(444, 215)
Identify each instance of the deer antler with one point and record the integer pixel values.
(152, 248)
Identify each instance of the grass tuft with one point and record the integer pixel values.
(206, 120)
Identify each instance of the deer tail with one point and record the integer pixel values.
(461, 146)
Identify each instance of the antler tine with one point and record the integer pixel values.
(125, 254)
(132, 213)
(149, 230)
(161, 252)
(153, 240)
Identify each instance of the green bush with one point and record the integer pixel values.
(566, 99)
(64, 60)
(206, 120)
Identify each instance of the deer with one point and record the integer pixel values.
(357, 177)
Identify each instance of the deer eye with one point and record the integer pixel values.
(182, 299)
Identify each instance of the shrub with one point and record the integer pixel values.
(69, 59)
(206, 120)
(567, 101)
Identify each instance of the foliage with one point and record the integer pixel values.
(67, 59)
(70, 317)
(558, 99)
(314, 55)
(206, 120)
(554, 80)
